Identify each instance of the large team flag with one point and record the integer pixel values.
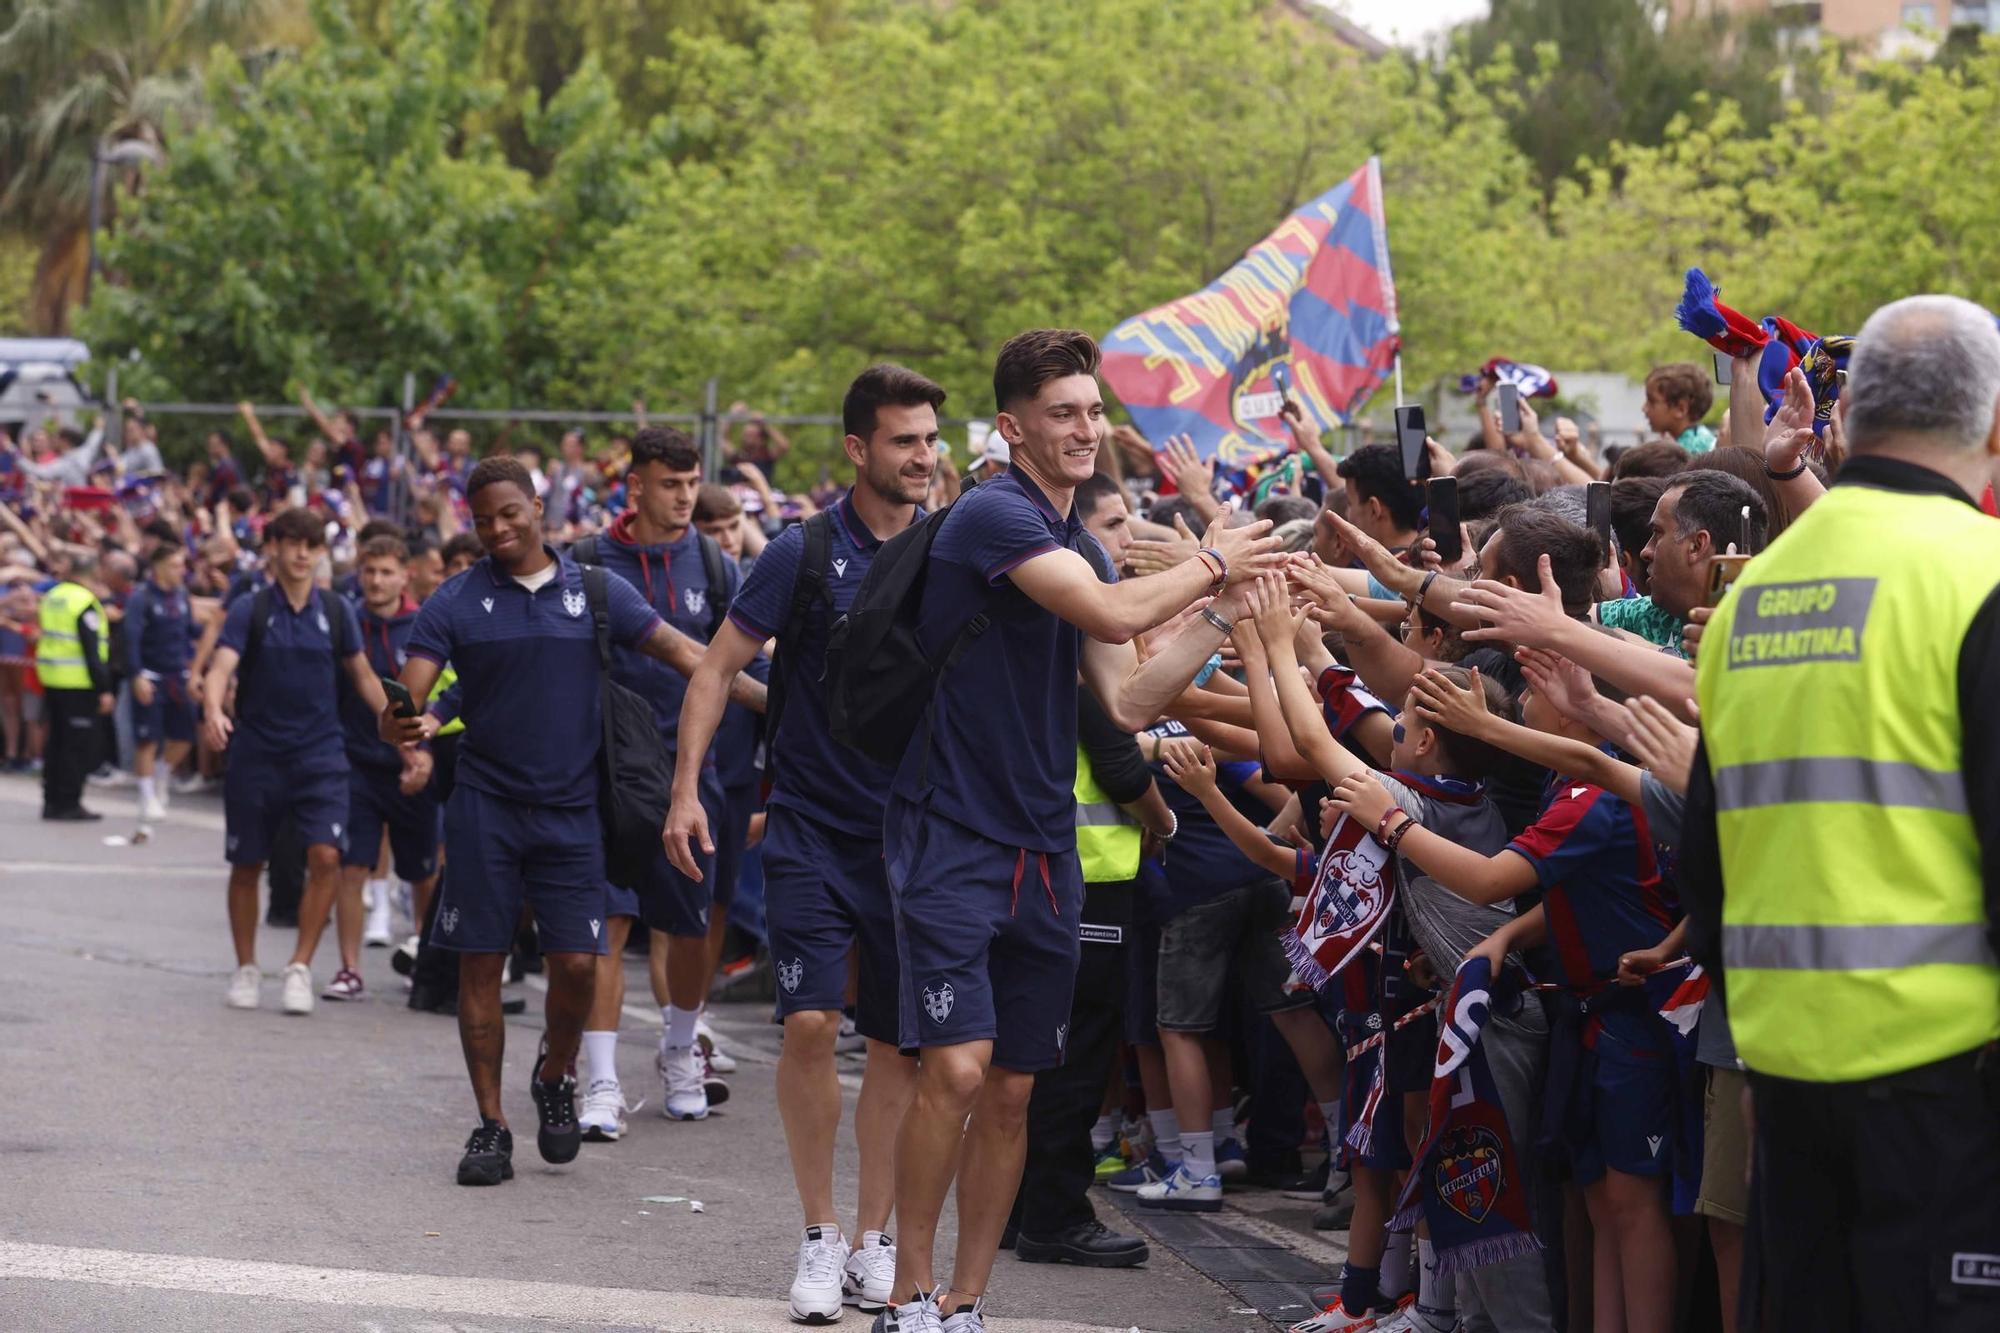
(1313, 303)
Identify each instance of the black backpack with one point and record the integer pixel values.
(808, 586)
(637, 774)
(876, 671)
(584, 551)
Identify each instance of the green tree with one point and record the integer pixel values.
(79, 74)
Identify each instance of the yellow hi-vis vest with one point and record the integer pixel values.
(1854, 934)
(1107, 841)
(59, 663)
(446, 677)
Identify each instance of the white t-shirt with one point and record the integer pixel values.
(539, 579)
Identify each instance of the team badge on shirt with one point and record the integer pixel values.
(574, 602)
(937, 1003)
(791, 974)
(696, 599)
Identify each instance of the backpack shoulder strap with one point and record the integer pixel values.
(584, 550)
(809, 584)
(336, 627)
(260, 611)
(718, 581)
(597, 594)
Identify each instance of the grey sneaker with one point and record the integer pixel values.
(912, 1316)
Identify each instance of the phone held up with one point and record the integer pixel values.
(1283, 379)
(1597, 512)
(1723, 368)
(400, 702)
(1446, 534)
(1410, 434)
(1510, 407)
(1726, 568)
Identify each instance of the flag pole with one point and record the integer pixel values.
(1399, 379)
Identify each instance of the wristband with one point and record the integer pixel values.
(1382, 824)
(1221, 565)
(1786, 476)
(1208, 614)
(1402, 830)
(1208, 668)
(1173, 827)
(1423, 590)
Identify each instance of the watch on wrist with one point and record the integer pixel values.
(1208, 614)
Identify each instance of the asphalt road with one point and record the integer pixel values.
(168, 1163)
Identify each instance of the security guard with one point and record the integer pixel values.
(71, 663)
(1116, 805)
(1850, 800)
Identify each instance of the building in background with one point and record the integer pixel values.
(1881, 27)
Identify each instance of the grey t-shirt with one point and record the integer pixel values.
(1713, 1045)
(1447, 926)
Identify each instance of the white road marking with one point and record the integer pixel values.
(218, 871)
(493, 1298)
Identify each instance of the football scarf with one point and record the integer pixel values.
(1776, 342)
(1350, 898)
(1467, 1182)
(1532, 380)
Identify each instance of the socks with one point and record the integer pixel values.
(1396, 1275)
(1198, 1154)
(680, 1026)
(1436, 1296)
(600, 1057)
(1223, 1123)
(1104, 1133)
(1166, 1132)
(1330, 1113)
(1359, 1288)
(145, 791)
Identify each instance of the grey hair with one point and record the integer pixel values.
(1924, 365)
(1571, 502)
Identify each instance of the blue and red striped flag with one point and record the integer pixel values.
(1315, 297)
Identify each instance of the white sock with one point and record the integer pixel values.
(600, 1057)
(1330, 1113)
(680, 1026)
(1166, 1131)
(1435, 1294)
(1104, 1133)
(1396, 1254)
(145, 791)
(1198, 1154)
(1223, 1123)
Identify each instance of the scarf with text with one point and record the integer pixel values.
(1350, 899)
(1467, 1181)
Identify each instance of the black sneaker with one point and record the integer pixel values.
(1091, 1244)
(1310, 1187)
(555, 1104)
(489, 1155)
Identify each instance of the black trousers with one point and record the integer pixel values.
(1055, 1182)
(286, 871)
(436, 969)
(74, 747)
(1876, 1205)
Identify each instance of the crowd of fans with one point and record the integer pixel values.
(1500, 734)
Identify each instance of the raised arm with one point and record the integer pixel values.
(1274, 738)
(1464, 711)
(1063, 582)
(1277, 625)
(1306, 440)
(1192, 767)
(1472, 876)
(683, 654)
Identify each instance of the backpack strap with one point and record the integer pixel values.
(260, 611)
(809, 584)
(718, 581)
(584, 550)
(597, 595)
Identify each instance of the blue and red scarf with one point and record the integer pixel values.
(1776, 342)
(1467, 1181)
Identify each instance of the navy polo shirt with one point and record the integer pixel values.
(672, 580)
(287, 702)
(1000, 754)
(527, 665)
(815, 775)
(159, 634)
(385, 643)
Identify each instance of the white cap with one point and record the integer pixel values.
(996, 451)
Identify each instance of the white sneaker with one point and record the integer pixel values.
(687, 1092)
(917, 1315)
(244, 986)
(377, 933)
(604, 1108)
(870, 1272)
(850, 1039)
(718, 1059)
(1183, 1192)
(1334, 1319)
(1412, 1319)
(967, 1321)
(816, 1287)
(152, 810)
(298, 994)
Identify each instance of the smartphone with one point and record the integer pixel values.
(1597, 509)
(1283, 379)
(1410, 434)
(1510, 408)
(400, 702)
(1724, 367)
(1723, 570)
(1445, 531)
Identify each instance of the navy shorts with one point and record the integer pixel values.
(415, 823)
(664, 898)
(256, 800)
(825, 893)
(170, 717)
(738, 804)
(620, 901)
(987, 938)
(1142, 986)
(1629, 1126)
(505, 853)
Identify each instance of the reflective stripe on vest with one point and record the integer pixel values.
(59, 663)
(1854, 927)
(1107, 841)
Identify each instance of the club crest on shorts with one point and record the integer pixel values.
(574, 602)
(1062, 1037)
(1468, 1174)
(448, 920)
(791, 974)
(696, 599)
(937, 1003)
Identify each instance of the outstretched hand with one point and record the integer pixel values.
(1459, 710)
(1515, 615)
